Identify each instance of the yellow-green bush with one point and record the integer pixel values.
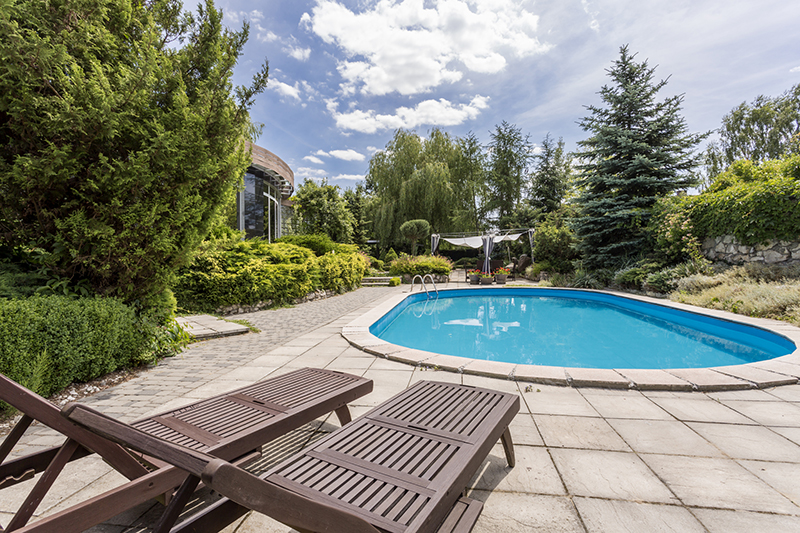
(421, 264)
(47, 342)
(256, 271)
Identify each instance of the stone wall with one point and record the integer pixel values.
(728, 249)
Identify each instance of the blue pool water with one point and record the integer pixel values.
(572, 328)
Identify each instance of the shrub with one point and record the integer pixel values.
(341, 271)
(394, 282)
(423, 264)
(537, 268)
(256, 271)
(320, 244)
(664, 281)
(377, 264)
(554, 242)
(391, 255)
(754, 203)
(47, 342)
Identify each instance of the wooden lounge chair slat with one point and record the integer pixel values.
(194, 432)
(360, 465)
(255, 403)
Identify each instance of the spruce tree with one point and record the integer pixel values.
(551, 175)
(639, 151)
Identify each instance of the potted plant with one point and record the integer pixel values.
(474, 276)
(501, 275)
(486, 278)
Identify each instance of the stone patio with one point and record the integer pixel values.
(588, 459)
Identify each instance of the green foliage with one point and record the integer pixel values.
(394, 282)
(415, 230)
(633, 277)
(357, 203)
(118, 146)
(639, 151)
(675, 236)
(47, 342)
(391, 255)
(509, 159)
(423, 264)
(338, 272)
(256, 271)
(377, 264)
(754, 203)
(551, 176)
(763, 130)
(321, 244)
(554, 242)
(320, 209)
(435, 179)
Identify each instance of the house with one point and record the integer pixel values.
(263, 208)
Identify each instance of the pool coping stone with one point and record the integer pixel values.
(738, 377)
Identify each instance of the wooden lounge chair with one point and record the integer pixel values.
(401, 468)
(231, 426)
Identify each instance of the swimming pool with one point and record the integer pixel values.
(572, 328)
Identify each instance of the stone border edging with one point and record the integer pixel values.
(783, 370)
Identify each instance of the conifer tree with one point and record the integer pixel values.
(639, 150)
(551, 174)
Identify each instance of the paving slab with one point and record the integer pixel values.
(629, 405)
(718, 483)
(579, 432)
(614, 475)
(748, 442)
(700, 408)
(526, 513)
(603, 516)
(663, 437)
(721, 521)
(783, 414)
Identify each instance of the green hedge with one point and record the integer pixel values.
(755, 203)
(47, 342)
(256, 271)
(421, 264)
(341, 271)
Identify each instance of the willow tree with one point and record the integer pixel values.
(410, 179)
(121, 135)
(639, 150)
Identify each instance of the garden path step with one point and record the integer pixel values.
(210, 327)
(376, 281)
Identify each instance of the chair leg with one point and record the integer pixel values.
(13, 437)
(343, 413)
(49, 476)
(176, 504)
(508, 447)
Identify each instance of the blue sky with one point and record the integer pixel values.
(345, 74)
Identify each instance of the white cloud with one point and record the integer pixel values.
(314, 159)
(429, 112)
(237, 17)
(263, 35)
(306, 173)
(405, 47)
(347, 155)
(594, 24)
(285, 89)
(795, 69)
(372, 149)
(300, 54)
(344, 155)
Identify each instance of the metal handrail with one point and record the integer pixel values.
(424, 286)
(433, 283)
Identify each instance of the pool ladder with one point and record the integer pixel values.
(424, 286)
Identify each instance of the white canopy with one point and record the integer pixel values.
(477, 242)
